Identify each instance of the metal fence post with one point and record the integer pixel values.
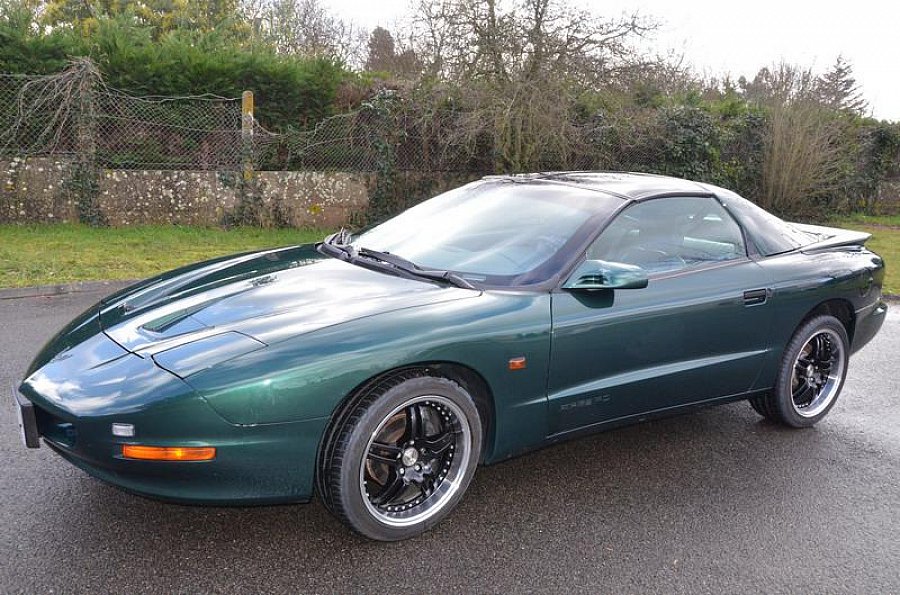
(247, 133)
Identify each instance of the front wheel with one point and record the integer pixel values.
(811, 374)
(404, 457)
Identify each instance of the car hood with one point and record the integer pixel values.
(256, 299)
(267, 296)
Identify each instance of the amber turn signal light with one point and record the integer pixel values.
(517, 363)
(168, 453)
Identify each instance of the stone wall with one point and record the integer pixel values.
(39, 190)
(35, 191)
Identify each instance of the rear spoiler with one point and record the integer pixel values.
(832, 237)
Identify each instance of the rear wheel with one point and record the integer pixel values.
(811, 375)
(404, 457)
(759, 405)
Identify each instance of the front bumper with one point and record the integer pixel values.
(260, 466)
(271, 463)
(72, 402)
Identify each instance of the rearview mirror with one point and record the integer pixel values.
(599, 274)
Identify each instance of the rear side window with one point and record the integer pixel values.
(670, 234)
(770, 234)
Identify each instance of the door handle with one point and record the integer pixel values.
(754, 297)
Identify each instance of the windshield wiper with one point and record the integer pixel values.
(412, 268)
(338, 246)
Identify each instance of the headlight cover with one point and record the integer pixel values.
(196, 356)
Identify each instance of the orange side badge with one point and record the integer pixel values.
(517, 363)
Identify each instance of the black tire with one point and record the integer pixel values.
(810, 376)
(410, 498)
(759, 405)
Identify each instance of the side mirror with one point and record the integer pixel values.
(599, 274)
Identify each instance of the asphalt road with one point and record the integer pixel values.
(712, 502)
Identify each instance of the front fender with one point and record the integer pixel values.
(308, 376)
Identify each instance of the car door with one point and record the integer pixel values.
(698, 331)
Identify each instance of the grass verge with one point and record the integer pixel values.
(872, 220)
(48, 254)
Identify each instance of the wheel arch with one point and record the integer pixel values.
(839, 308)
(470, 379)
(774, 404)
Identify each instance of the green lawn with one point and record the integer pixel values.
(877, 220)
(48, 254)
(885, 242)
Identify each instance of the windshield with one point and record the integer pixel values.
(494, 232)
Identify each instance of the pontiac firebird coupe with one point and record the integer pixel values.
(496, 318)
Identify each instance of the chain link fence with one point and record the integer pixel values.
(400, 149)
(29, 123)
(74, 114)
(199, 133)
(386, 132)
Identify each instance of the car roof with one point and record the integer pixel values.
(625, 185)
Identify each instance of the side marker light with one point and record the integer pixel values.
(517, 363)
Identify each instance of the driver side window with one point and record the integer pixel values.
(670, 234)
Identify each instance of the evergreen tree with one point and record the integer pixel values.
(838, 89)
(382, 55)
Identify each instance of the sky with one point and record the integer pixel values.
(721, 36)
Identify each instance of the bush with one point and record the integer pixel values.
(690, 144)
(24, 52)
(785, 139)
(291, 92)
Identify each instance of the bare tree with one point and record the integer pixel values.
(803, 152)
(497, 39)
(306, 28)
(515, 69)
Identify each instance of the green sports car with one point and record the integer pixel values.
(379, 370)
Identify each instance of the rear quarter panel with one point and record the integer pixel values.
(803, 281)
